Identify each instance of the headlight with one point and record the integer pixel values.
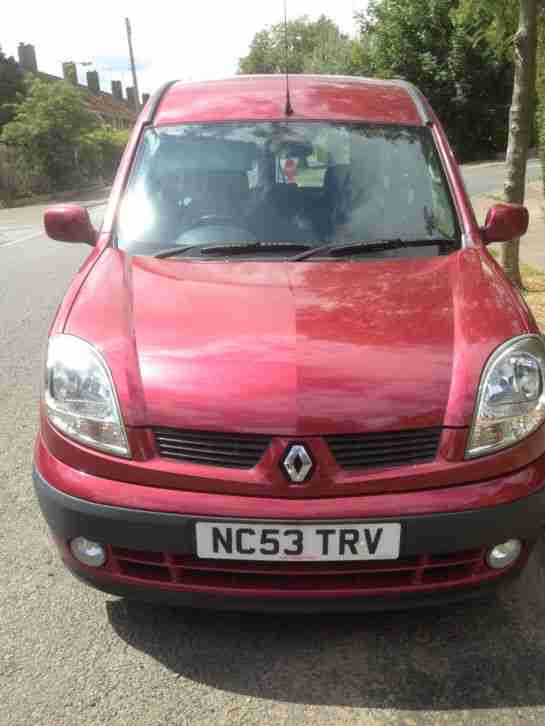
(80, 397)
(511, 400)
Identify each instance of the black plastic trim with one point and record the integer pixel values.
(431, 534)
(238, 451)
(155, 100)
(380, 449)
(418, 100)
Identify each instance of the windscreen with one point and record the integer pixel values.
(285, 182)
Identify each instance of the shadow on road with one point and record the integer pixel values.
(485, 654)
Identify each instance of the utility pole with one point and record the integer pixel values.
(133, 67)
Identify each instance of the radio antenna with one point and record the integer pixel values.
(289, 108)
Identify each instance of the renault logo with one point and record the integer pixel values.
(297, 463)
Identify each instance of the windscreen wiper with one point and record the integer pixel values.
(175, 251)
(236, 248)
(253, 247)
(378, 245)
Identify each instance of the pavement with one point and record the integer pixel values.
(71, 656)
(488, 177)
(22, 224)
(532, 245)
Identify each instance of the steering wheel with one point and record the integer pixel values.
(216, 220)
(237, 231)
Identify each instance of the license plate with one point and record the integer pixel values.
(298, 542)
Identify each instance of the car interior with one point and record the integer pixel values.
(222, 191)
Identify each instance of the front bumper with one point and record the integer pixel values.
(160, 548)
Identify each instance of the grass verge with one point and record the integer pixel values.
(534, 282)
(534, 289)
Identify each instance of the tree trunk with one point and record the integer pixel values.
(540, 88)
(525, 48)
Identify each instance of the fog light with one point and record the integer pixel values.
(505, 554)
(89, 553)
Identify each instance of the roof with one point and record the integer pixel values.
(101, 103)
(263, 97)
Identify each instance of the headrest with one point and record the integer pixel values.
(336, 177)
(285, 197)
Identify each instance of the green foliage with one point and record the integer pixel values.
(410, 39)
(47, 130)
(332, 56)
(11, 85)
(494, 21)
(444, 48)
(459, 52)
(101, 150)
(313, 47)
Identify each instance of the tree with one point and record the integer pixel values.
(513, 33)
(47, 130)
(11, 85)
(332, 55)
(101, 150)
(446, 53)
(501, 18)
(540, 120)
(525, 50)
(313, 47)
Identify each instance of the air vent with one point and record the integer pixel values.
(408, 573)
(237, 451)
(390, 448)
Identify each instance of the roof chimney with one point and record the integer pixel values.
(131, 95)
(93, 82)
(117, 91)
(27, 57)
(69, 72)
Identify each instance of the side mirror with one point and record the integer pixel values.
(505, 222)
(69, 223)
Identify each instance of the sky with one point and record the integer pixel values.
(187, 40)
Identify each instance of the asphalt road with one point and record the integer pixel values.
(70, 655)
(483, 178)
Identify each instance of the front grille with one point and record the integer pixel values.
(351, 451)
(410, 572)
(237, 451)
(389, 448)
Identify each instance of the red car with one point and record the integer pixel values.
(316, 392)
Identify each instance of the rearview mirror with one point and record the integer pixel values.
(69, 223)
(505, 222)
